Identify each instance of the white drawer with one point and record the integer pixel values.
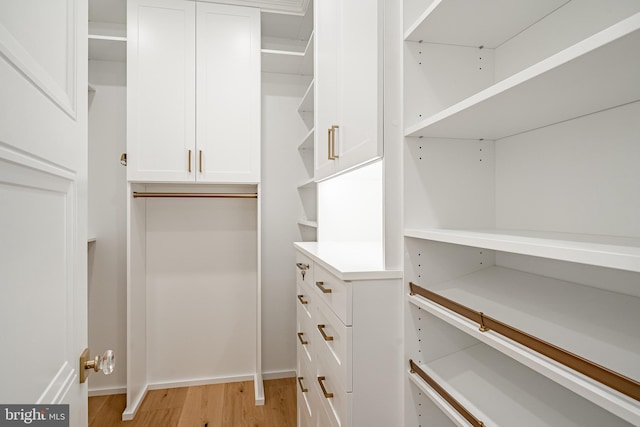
(335, 292)
(306, 298)
(333, 344)
(334, 399)
(304, 270)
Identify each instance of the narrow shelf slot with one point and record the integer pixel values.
(590, 76)
(306, 105)
(307, 141)
(308, 223)
(499, 391)
(606, 251)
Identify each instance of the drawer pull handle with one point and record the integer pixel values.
(302, 389)
(302, 341)
(320, 286)
(324, 390)
(301, 300)
(324, 335)
(302, 266)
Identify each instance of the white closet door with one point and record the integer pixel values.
(228, 97)
(43, 207)
(161, 90)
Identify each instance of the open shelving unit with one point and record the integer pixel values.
(521, 208)
(107, 41)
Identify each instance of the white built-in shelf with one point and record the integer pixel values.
(91, 239)
(307, 141)
(606, 251)
(306, 105)
(107, 41)
(288, 59)
(309, 183)
(308, 223)
(501, 392)
(593, 75)
(90, 88)
(600, 326)
(500, 21)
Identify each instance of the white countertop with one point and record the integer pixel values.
(349, 261)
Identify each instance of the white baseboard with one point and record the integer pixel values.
(107, 391)
(205, 381)
(130, 413)
(277, 375)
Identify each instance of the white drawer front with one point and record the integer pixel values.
(304, 270)
(305, 299)
(336, 293)
(333, 344)
(334, 399)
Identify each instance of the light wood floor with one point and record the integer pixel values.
(217, 405)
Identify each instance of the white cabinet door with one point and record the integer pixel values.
(327, 34)
(161, 90)
(359, 138)
(349, 84)
(228, 95)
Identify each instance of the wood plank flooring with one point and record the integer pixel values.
(217, 405)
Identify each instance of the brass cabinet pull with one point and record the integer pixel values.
(302, 341)
(189, 161)
(320, 285)
(301, 300)
(332, 142)
(302, 389)
(329, 145)
(324, 390)
(200, 161)
(324, 335)
(302, 266)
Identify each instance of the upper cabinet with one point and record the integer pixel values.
(193, 101)
(348, 84)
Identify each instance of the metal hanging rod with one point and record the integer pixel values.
(137, 194)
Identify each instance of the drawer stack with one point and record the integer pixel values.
(337, 385)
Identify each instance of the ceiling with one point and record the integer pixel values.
(116, 10)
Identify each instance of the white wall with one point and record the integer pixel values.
(282, 167)
(107, 221)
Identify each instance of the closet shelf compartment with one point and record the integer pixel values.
(500, 21)
(308, 223)
(310, 183)
(288, 59)
(307, 141)
(605, 251)
(593, 75)
(504, 392)
(306, 105)
(559, 320)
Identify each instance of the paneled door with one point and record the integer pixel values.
(43, 203)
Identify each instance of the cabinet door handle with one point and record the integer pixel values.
(324, 335)
(301, 300)
(329, 156)
(302, 266)
(324, 390)
(189, 161)
(324, 290)
(302, 389)
(200, 161)
(302, 341)
(332, 145)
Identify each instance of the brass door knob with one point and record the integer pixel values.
(105, 363)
